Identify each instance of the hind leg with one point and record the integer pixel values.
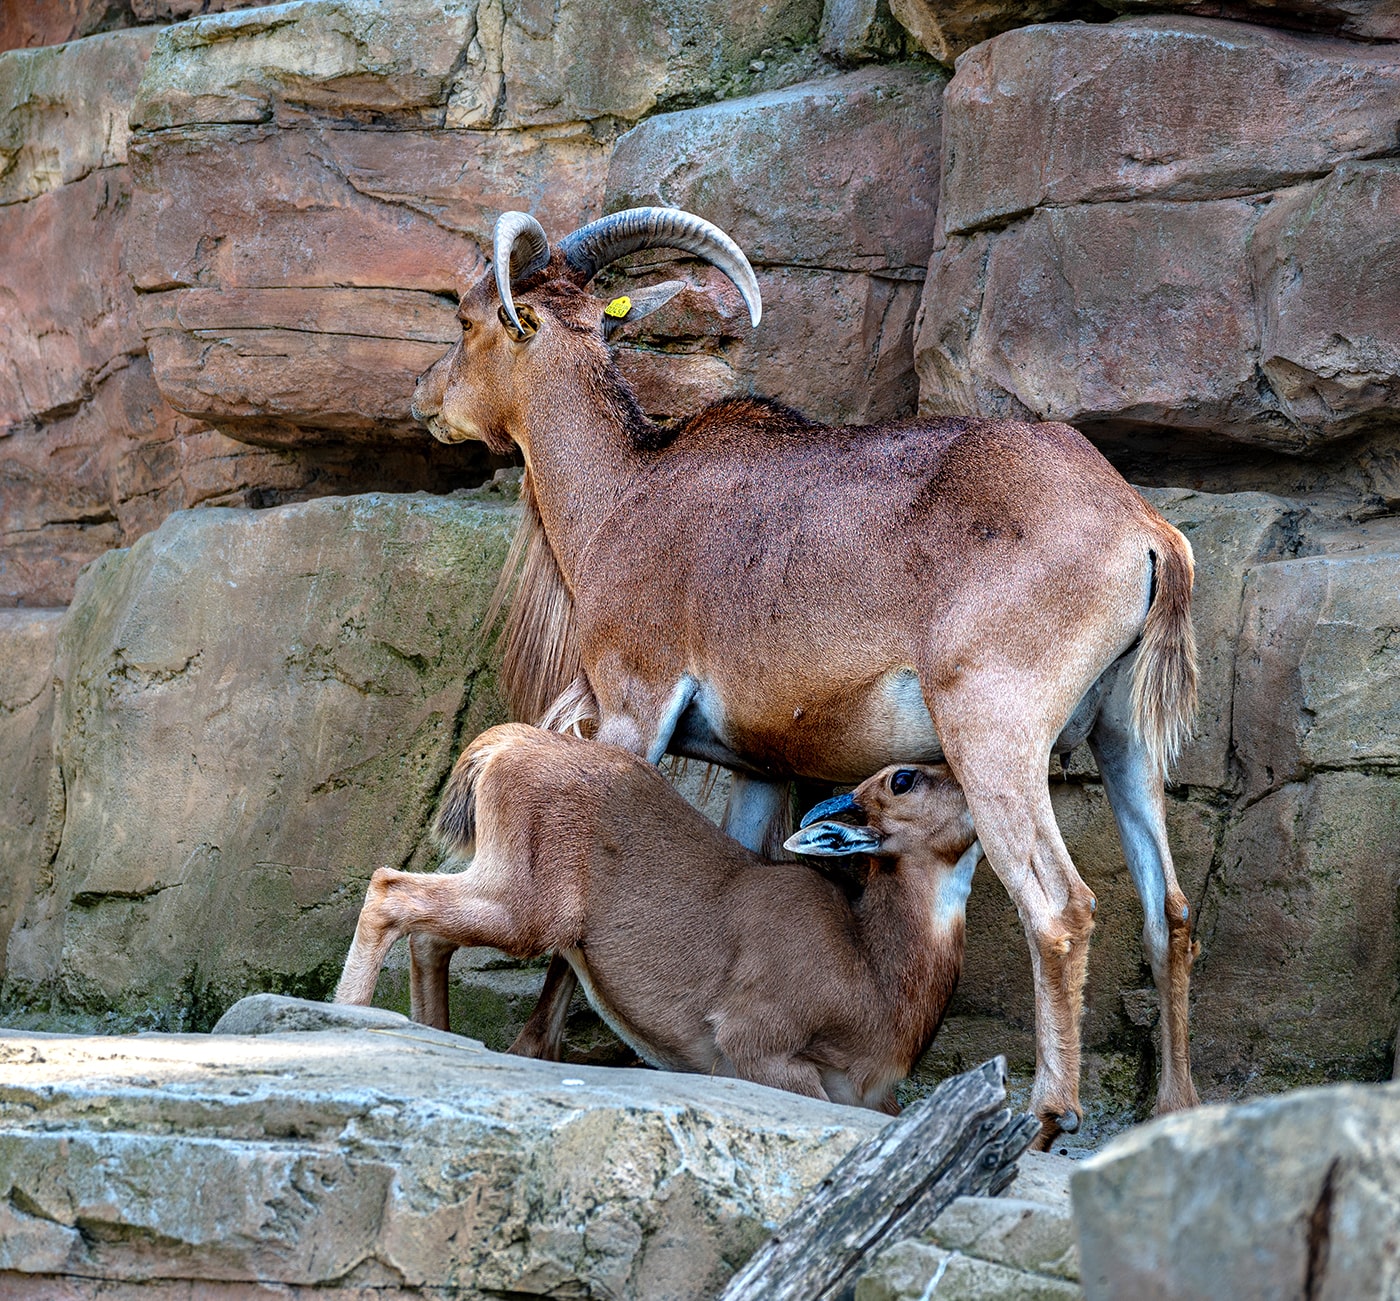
(543, 1035)
(430, 956)
(1134, 788)
(1003, 771)
(400, 903)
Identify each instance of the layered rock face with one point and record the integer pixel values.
(242, 241)
(1223, 264)
(91, 454)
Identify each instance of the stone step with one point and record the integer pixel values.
(1016, 1247)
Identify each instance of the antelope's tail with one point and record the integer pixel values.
(1164, 679)
(454, 828)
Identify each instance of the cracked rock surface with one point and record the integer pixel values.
(387, 1161)
(1287, 1197)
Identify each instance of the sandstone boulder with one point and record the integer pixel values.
(831, 188)
(390, 1161)
(1123, 271)
(948, 28)
(1286, 1197)
(253, 711)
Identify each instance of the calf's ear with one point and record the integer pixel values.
(833, 840)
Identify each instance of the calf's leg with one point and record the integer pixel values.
(398, 903)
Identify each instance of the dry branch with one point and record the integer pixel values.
(959, 1140)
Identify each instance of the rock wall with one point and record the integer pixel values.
(242, 234)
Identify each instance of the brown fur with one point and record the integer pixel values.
(811, 583)
(703, 955)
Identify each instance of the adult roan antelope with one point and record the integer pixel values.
(789, 599)
(700, 954)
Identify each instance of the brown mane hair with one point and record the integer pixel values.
(541, 655)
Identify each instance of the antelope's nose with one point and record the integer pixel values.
(835, 807)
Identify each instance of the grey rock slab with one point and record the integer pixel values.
(839, 173)
(278, 1014)
(297, 1158)
(1286, 1197)
(28, 639)
(254, 710)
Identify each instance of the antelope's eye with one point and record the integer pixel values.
(903, 780)
(466, 324)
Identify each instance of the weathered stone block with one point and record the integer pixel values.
(1367, 20)
(1282, 1197)
(254, 710)
(1299, 975)
(53, 22)
(1328, 258)
(375, 1160)
(839, 245)
(27, 642)
(1130, 313)
(63, 111)
(1317, 683)
(1229, 533)
(857, 31)
(1170, 108)
(839, 173)
(1179, 270)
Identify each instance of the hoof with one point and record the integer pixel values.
(1069, 1122)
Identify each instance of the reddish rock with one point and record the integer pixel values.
(1366, 20)
(1155, 108)
(1148, 272)
(1327, 258)
(1134, 313)
(946, 28)
(28, 23)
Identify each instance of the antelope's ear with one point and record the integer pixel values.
(833, 840)
(624, 310)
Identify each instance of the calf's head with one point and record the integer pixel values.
(905, 811)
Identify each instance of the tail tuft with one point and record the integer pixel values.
(1164, 679)
(573, 711)
(454, 828)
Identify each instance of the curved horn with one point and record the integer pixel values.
(512, 263)
(596, 245)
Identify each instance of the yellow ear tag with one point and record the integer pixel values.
(618, 308)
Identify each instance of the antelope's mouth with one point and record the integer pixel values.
(447, 433)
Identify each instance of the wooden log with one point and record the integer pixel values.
(959, 1140)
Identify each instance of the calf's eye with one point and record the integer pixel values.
(903, 780)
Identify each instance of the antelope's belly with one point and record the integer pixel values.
(843, 734)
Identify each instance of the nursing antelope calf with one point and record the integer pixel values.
(702, 955)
